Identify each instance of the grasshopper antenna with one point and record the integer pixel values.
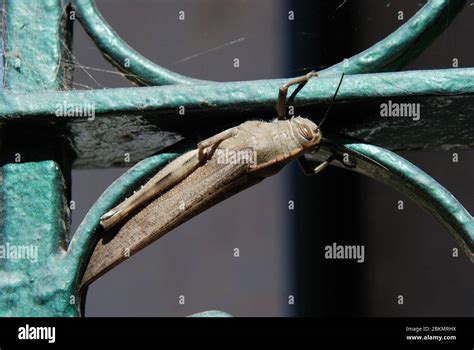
(303, 163)
(332, 102)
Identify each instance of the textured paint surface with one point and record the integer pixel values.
(35, 215)
(33, 62)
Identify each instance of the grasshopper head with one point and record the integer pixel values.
(306, 132)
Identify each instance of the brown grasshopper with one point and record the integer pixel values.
(205, 176)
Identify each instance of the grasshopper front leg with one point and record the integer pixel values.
(283, 92)
(309, 170)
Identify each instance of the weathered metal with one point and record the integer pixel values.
(126, 115)
(35, 215)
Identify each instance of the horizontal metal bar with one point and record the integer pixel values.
(142, 121)
(236, 95)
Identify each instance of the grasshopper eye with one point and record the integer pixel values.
(306, 132)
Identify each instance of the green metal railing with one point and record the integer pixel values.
(39, 149)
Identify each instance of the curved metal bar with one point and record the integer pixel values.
(211, 313)
(140, 70)
(84, 240)
(391, 53)
(404, 44)
(387, 167)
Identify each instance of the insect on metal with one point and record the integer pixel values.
(219, 167)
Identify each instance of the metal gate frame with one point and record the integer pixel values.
(38, 149)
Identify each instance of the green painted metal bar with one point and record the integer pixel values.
(395, 171)
(211, 313)
(34, 215)
(33, 62)
(34, 211)
(406, 43)
(240, 96)
(151, 110)
(136, 67)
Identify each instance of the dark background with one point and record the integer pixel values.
(281, 251)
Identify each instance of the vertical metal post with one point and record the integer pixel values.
(34, 166)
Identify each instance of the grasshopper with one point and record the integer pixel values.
(202, 178)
